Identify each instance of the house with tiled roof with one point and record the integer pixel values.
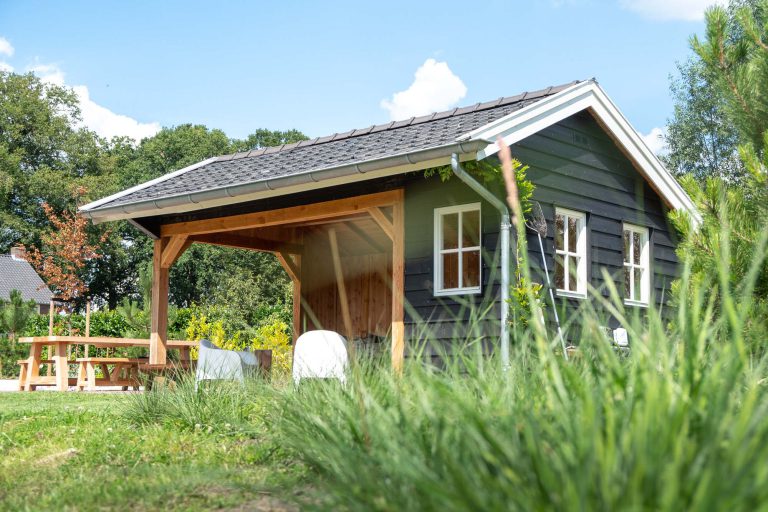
(379, 246)
(17, 274)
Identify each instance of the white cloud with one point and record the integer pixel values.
(6, 48)
(96, 117)
(656, 140)
(434, 88)
(665, 10)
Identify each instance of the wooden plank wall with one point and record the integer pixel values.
(367, 284)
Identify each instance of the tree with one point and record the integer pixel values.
(66, 250)
(734, 217)
(735, 56)
(15, 314)
(700, 140)
(702, 137)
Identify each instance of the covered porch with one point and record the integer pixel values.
(345, 258)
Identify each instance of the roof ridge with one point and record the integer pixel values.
(390, 125)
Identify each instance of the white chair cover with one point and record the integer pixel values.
(320, 355)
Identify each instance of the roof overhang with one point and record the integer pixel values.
(300, 182)
(588, 96)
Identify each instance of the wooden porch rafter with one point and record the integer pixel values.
(292, 214)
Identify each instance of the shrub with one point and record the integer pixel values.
(275, 336)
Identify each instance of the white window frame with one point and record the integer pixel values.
(439, 251)
(644, 265)
(580, 252)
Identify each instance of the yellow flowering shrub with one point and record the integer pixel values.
(275, 337)
(199, 328)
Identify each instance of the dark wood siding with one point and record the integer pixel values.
(574, 164)
(449, 317)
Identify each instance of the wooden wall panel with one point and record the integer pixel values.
(367, 282)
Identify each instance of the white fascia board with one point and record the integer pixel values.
(146, 184)
(586, 96)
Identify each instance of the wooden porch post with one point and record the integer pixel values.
(398, 282)
(159, 306)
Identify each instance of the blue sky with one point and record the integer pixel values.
(323, 67)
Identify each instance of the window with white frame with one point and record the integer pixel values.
(637, 269)
(570, 253)
(457, 249)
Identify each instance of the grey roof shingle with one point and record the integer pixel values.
(354, 146)
(19, 275)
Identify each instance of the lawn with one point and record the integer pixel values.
(82, 451)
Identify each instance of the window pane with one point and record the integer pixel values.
(559, 232)
(470, 228)
(573, 233)
(627, 282)
(573, 269)
(451, 270)
(450, 231)
(636, 247)
(471, 271)
(559, 273)
(638, 284)
(626, 248)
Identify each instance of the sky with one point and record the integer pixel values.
(326, 67)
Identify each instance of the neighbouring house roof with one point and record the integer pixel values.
(386, 149)
(17, 274)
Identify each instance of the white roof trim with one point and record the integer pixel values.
(144, 185)
(587, 95)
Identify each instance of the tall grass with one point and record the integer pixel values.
(678, 423)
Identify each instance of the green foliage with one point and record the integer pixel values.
(10, 353)
(489, 173)
(15, 314)
(721, 249)
(520, 296)
(275, 334)
(700, 140)
(734, 53)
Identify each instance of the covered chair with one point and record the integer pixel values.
(214, 363)
(320, 355)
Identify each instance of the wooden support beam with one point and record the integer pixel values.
(288, 264)
(246, 242)
(293, 214)
(292, 266)
(339, 272)
(383, 222)
(173, 250)
(159, 306)
(51, 312)
(398, 283)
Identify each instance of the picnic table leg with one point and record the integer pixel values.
(81, 376)
(35, 354)
(62, 367)
(90, 371)
(184, 358)
(23, 376)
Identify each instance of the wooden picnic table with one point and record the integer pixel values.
(31, 378)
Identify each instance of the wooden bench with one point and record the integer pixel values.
(24, 372)
(124, 373)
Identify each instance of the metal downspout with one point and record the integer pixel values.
(505, 227)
